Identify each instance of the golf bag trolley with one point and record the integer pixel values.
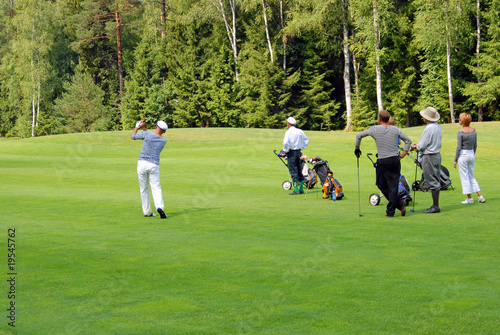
(403, 188)
(310, 177)
(331, 187)
(421, 185)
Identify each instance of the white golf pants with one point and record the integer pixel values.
(466, 163)
(149, 173)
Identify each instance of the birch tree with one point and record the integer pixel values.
(31, 47)
(448, 64)
(347, 64)
(478, 50)
(284, 37)
(269, 43)
(378, 71)
(229, 19)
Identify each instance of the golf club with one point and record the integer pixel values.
(359, 194)
(414, 188)
(308, 184)
(161, 108)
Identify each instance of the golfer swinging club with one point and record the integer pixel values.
(148, 166)
(295, 140)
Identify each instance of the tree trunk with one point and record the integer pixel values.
(230, 29)
(33, 80)
(162, 18)
(377, 56)
(478, 49)
(264, 8)
(347, 72)
(448, 64)
(119, 49)
(285, 40)
(39, 90)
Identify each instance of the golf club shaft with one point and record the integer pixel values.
(359, 194)
(161, 108)
(309, 183)
(414, 188)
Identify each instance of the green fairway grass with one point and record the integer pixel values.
(237, 254)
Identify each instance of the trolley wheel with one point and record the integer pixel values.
(287, 185)
(415, 186)
(374, 199)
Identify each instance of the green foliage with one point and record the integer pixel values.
(81, 108)
(486, 92)
(363, 115)
(189, 57)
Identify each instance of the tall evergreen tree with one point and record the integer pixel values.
(486, 92)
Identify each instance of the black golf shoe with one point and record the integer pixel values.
(162, 213)
(432, 210)
(296, 193)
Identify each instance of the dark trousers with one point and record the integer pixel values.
(295, 165)
(388, 172)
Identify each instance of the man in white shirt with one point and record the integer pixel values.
(295, 140)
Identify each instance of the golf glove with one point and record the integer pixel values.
(357, 152)
(138, 124)
(282, 154)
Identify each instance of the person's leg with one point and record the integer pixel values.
(431, 169)
(294, 167)
(389, 184)
(464, 171)
(464, 174)
(154, 179)
(143, 175)
(471, 165)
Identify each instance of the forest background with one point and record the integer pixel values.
(89, 65)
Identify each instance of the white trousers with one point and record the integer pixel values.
(149, 173)
(466, 163)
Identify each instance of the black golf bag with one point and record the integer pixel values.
(330, 185)
(444, 179)
(403, 188)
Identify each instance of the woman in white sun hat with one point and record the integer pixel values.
(429, 147)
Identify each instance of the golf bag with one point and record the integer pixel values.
(444, 179)
(330, 185)
(310, 176)
(403, 189)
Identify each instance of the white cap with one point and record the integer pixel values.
(162, 125)
(291, 120)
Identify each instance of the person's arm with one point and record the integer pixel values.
(475, 143)
(357, 143)
(424, 139)
(407, 145)
(305, 141)
(139, 124)
(286, 145)
(459, 146)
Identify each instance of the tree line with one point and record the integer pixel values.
(88, 65)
